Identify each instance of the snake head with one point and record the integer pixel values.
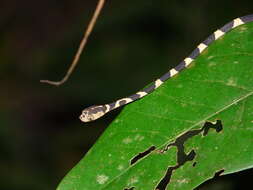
(92, 113)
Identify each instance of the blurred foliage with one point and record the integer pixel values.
(133, 43)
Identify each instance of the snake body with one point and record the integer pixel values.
(94, 112)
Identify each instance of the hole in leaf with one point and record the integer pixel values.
(142, 154)
(183, 157)
(131, 188)
(166, 179)
(217, 174)
(217, 126)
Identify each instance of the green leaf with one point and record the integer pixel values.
(196, 124)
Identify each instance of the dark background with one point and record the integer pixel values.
(134, 42)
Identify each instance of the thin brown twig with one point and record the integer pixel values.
(81, 46)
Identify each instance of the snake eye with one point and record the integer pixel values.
(84, 117)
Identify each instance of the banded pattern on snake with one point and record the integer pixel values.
(94, 112)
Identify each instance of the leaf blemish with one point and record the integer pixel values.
(127, 140)
(120, 167)
(139, 137)
(101, 179)
(142, 154)
(133, 180)
(183, 157)
(212, 64)
(231, 82)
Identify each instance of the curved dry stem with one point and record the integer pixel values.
(81, 46)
